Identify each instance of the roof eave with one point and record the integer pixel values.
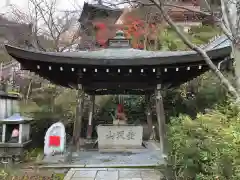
(117, 12)
(171, 58)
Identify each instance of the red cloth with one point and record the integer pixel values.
(54, 141)
(120, 112)
(120, 108)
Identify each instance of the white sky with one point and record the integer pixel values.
(62, 4)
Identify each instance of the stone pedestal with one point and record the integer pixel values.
(119, 122)
(119, 137)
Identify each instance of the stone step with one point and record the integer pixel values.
(113, 174)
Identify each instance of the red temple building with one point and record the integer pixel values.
(101, 21)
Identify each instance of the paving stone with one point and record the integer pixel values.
(96, 159)
(90, 165)
(127, 169)
(107, 175)
(82, 179)
(130, 179)
(113, 174)
(151, 175)
(90, 169)
(69, 175)
(129, 174)
(85, 174)
(112, 169)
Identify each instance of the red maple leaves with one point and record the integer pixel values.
(134, 29)
(101, 34)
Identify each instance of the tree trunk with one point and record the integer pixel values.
(236, 55)
(29, 90)
(230, 27)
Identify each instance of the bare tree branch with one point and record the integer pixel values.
(138, 3)
(208, 5)
(53, 24)
(200, 51)
(226, 31)
(225, 12)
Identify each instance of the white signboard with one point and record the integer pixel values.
(119, 137)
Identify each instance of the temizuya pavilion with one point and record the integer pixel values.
(119, 69)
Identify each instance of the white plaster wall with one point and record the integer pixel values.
(15, 104)
(9, 108)
(2, 108)
(119, 136)
(25, 132)
(3, 132)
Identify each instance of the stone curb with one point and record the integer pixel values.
(100, 166)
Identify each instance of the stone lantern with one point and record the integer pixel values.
(14, 146)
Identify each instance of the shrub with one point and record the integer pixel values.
(204, 28)
(196, 96)
(206, 148)
(204, 33)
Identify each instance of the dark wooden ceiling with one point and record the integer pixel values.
(117, 80)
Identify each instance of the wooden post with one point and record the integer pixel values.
(4, 133)
(79, 115)
(90, 117)
(160, 117)
(1, 70)
(149, 113)
(77, 127)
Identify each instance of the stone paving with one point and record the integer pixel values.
(150, 156)
(112, 174)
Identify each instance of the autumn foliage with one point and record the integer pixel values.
(135, 29)
(101, 34)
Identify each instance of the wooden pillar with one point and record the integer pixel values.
(160, 117)
(4, 133)
(79, 115)
(149, 113)
(90, 117)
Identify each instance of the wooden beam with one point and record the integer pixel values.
(160, 117)
(90, 117)
(124, 85)
(117, 91)
(79, 115)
